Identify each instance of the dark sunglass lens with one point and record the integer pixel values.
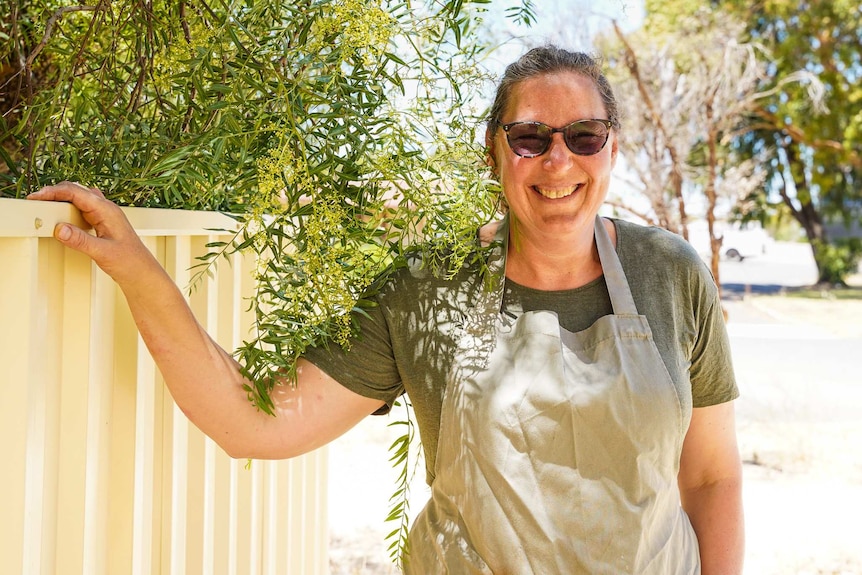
(586, 138)
(528, 139)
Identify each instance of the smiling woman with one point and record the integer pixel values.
(595, 341)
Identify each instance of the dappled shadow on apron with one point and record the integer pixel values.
(429, 331)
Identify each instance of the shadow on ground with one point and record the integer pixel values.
(736, 291)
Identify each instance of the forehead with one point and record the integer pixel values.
(560, 96)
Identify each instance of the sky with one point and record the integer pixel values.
(568, 23)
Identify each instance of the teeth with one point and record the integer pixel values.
(557, 193)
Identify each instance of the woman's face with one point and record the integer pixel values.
(557, 193)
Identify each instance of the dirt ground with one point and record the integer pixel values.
(801, 448)
(803, 475)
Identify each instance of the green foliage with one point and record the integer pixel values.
(815, 143)
(837, 260)
(822, 38)
(339, 133)
(404, 461)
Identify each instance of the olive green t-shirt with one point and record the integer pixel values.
(407, 342)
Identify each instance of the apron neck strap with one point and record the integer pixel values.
(495, 279)
(618, 286)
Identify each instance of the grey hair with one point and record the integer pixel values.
(550, 60)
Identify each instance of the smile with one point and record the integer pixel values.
(557, 193)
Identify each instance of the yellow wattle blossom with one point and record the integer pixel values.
(277, 171)
(363, 27)
(175, 56)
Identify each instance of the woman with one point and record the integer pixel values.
(577, 416)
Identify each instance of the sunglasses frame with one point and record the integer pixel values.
(607, 123)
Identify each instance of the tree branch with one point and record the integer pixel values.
(49, 29)
(798, 136)
(644, 216)
(676, 170)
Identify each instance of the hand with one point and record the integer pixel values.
(115, 248)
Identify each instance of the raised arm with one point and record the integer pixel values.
(710, 481)
(203, 378)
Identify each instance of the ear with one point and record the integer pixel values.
(615, 149)
(490, 151)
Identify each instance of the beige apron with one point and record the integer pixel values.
(558, 451)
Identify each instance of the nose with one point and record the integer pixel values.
(558, 154)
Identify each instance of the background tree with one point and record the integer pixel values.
(815, 154)
(657, 135)
(720, 78)
(800, 121)
(683, 92)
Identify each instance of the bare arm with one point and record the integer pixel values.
(710, 481)
(202, 377)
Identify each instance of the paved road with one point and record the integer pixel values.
(785, 264)
(816, 372)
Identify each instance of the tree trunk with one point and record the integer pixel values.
(804, 210)
(631, 62)
(709, 190)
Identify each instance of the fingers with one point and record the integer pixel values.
(90, 202)
(100, 213)
(74, 192)
(76, 238)
(114, 237)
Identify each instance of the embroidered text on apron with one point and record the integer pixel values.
(558, 451)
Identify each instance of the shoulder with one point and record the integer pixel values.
(639, 245)
(639, 239)
(423, 281)
(657, 259)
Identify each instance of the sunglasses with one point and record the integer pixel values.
(583, 138)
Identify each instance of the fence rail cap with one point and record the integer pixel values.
(27, 218)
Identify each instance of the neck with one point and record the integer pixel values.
(553, 264)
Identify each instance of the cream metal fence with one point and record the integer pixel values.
(101, 473)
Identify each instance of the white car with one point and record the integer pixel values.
(738, 241)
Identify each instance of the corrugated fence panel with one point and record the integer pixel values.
(102, 473)
(19, 257)
(78, 280)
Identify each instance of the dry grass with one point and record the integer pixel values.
(841, 316)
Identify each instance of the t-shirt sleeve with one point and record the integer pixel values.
(366, 365)
(712, 376)
(674, 288)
